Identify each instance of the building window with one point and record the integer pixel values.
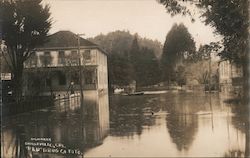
(61, 57)
(87, 55)
(74, 60)
(61, 78)
(89, 77)
(47, 59)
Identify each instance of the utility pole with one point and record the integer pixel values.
(209, 81)
(80, 69)
(82, 113)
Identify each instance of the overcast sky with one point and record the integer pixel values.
(146, 17)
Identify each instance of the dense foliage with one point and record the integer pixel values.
(178, 44)
(131, 58)
(230, 18)
(25, 25)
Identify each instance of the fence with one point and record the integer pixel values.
(62, 103)
(67, 102)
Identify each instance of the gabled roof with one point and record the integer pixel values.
(65, 39)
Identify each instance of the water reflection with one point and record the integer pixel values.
(162, 125)
(182, 121)
(171, 125)
(66, 136)
(129, 116)
(182, 129)
(240, 121)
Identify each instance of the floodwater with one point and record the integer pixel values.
(151, 125)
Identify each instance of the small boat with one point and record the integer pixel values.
(136, 93)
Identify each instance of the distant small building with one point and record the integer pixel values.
(54, 68)
(230, 77)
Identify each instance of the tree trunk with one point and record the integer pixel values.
(17, 82)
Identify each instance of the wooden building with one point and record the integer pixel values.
(230, 77)
(54, 68)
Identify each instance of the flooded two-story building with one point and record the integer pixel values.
(62, 130)
(54, 68)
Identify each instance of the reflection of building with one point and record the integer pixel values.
(54, 68)
(63, 128)
(230, 76)
(97, 121)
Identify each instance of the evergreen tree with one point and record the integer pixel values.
(178, 42)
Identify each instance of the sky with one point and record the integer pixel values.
(148, 18)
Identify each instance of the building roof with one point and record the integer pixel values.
(65, 39)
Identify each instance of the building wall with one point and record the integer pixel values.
(71, 57)
(229, 74)
(94, 76)
(102, 72)
(225, 72)
(228, 71)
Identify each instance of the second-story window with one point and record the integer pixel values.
(61, 57)
(87, 55)
(47, 59)
(74, 58)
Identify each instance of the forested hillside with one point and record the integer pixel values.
(131, 58)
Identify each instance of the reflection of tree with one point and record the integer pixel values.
(182, 129)
(182, 122)
(128, 115)
(234, 154)
(241, 122)
(13, 143)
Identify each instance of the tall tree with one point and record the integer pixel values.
(134, 57)
(25, 25)
(178, 43)
(230, 18)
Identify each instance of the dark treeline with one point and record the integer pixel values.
(131, 58)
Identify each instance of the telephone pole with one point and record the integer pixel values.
(82, 113)
(209, 81)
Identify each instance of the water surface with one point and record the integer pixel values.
(152, 125)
